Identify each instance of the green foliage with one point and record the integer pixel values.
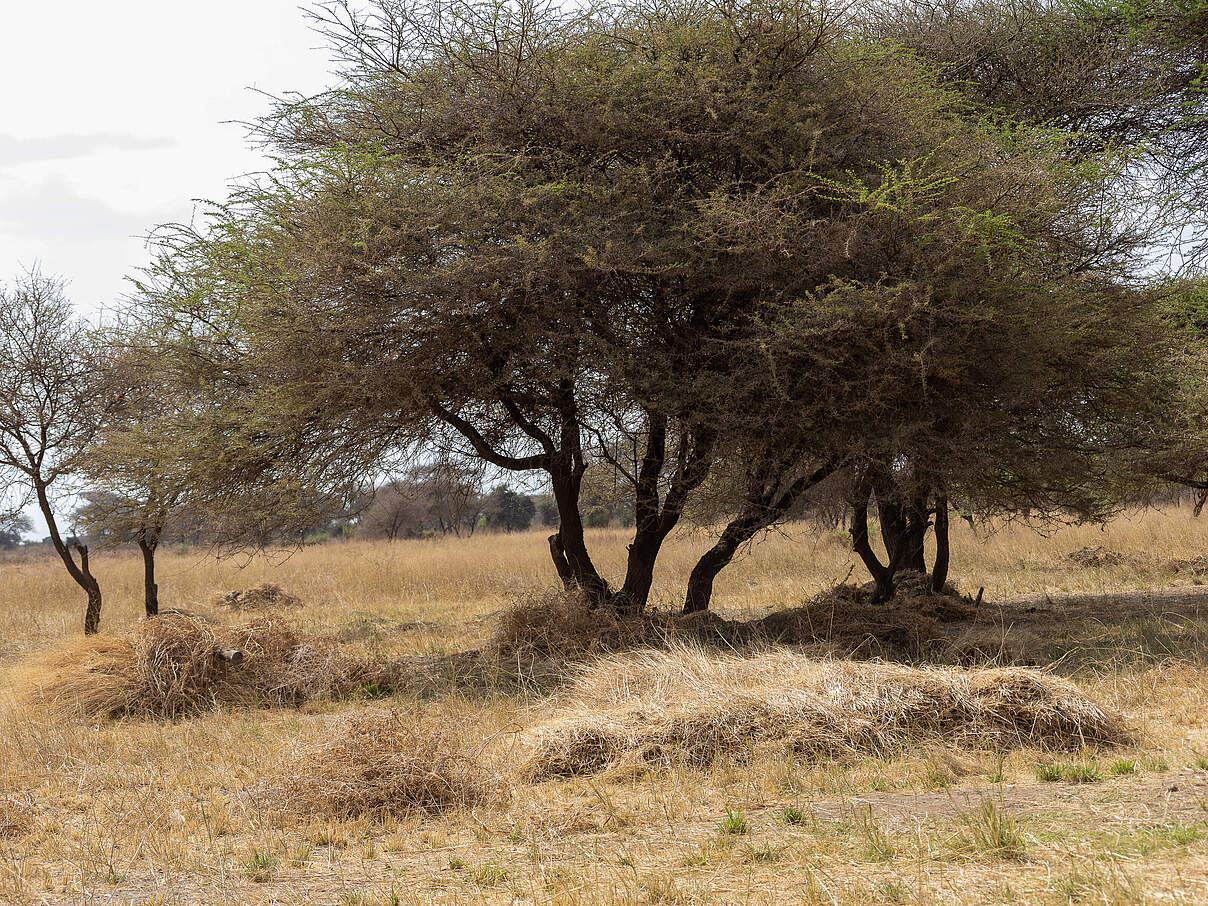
(791, 814)
(646, 251)
(506, 511)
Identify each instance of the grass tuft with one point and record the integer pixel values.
(734, 824)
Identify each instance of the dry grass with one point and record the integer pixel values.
(450, 585)
(182, 811)
(167, 667)
(15, 815)
(689, 704)
(383, 763)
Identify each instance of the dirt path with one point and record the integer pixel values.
(1145, 800)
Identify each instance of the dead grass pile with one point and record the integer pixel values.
(382, 763)
(265, 596)
(166, 667)
(1193, 566)
(842, 621)
(690, 704)
(1095, 556)
(563, 625)
(846, 622)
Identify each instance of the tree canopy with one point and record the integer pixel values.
(743, 245)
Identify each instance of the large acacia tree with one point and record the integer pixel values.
(533, 235)
(681, 237)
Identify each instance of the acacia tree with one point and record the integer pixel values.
(536, 234)
(13, 529)
(678, 237)
(1123, 75)
(468, 272)
(51, 409)
(137, 491)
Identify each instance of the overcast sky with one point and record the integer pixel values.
(114, 116)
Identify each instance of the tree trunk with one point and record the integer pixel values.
(80, 573)
(566, 485)
(639, 572)
(558, 552)
(939, 574)
(716, 558)
(763, 509)
(92, 615)
(917, 523)
(894, 524)
(882, 576)
(150, 588)
(1201, 498)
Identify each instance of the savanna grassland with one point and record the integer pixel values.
(237, 804)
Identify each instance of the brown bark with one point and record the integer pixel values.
(150, 588)
(566, 483)
(655, 518)
(882, 575)
(763, 509)
(80, 573)
(939, 573)
(92, 615)
(558, 553)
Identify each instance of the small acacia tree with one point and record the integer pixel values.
(51, 409)
(13, 530)
(137, 490)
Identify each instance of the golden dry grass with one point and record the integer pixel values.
(451, 581)
(688, 704)
(189, 811)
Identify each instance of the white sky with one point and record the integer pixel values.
(115, 115)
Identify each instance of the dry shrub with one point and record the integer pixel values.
(998, 644)
(380, 763)
(686, 703)
(166, 667)
(564, 625)
(1194, 566)
(846, 621)
(265, 596)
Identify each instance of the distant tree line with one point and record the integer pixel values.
(672, 261)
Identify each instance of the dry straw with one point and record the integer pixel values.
(689, 704)
(166, 667)
(381, 763)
